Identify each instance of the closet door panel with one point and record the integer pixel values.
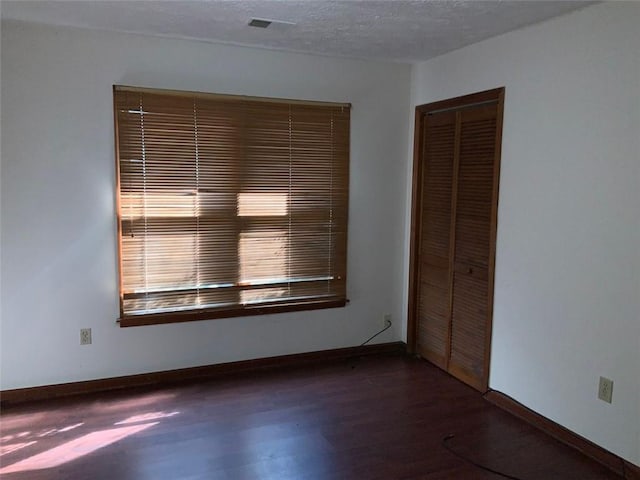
(470, 308)
(468, 327)
(434, 288)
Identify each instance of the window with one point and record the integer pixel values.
(229, 205)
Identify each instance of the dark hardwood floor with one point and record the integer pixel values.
(381, 417)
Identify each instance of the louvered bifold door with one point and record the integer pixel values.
(470, 322)
(454, 225)
(434, 288)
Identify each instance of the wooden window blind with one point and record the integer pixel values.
(228, 205)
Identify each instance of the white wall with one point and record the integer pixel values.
(58, 223)
(567, 291)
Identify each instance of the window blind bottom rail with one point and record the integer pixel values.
(248, 285)
(213, 305)
(235, 311)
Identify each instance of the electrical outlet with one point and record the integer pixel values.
(386, 320)
(605, 389)
(85, 336)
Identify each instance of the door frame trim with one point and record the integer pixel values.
(421, 111)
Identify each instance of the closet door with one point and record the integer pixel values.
(434, 290)
(471, 309)
(454, 224)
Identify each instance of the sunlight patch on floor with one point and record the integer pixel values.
(129, 403)
(145, 417)
(14, 447)
(74, 449)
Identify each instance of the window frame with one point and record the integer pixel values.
(239, 309)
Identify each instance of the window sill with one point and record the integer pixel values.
(213, 314)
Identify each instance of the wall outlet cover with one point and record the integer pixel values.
(605, 389)
(85, 336)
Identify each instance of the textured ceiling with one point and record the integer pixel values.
(386, 29)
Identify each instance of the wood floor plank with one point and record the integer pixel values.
(380, 417)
